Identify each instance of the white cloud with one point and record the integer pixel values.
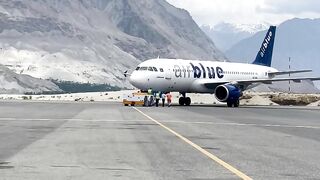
(294, 7)
(248, 11)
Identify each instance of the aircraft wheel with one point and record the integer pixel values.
(229, 104)
(181, 101)
(237, 103)
(187, 101)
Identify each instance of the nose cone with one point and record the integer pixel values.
(135, 80)
(140, 80)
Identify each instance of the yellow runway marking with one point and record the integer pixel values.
(203, 151)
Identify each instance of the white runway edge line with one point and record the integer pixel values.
(203, 151)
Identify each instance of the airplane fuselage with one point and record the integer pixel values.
(189, 76)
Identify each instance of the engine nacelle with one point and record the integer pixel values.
(227, 93)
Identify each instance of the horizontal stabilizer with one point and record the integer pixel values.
(288, 72)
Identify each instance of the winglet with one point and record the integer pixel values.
(264, 55)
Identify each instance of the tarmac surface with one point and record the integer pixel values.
(41, 140)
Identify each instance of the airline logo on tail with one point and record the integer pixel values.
(265, 44)
(264, 55)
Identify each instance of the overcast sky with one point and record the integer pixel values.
(211, 12)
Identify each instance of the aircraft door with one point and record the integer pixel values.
(168, 75)
(168, 78)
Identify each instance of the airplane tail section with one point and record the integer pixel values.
(264, 55)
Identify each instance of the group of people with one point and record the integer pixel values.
(157, 96)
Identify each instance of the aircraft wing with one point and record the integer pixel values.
(211, 84)
(268, 81)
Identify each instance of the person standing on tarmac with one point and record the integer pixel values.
(157, 98)
(150, 91)
(150, 97)
(145, 101)
(169, 97)
(163, 98)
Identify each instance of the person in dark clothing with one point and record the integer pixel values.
(163, 98)
(157, 98)
(145, 101)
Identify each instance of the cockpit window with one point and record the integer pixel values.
(143, 68)
(148, 69)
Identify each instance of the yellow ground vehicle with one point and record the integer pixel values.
(134, 99)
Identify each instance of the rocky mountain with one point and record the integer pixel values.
(11, 82)
(296, 38)
(225, 35)
(95, 40)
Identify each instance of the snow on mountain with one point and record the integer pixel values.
(11, 82)
(295, 38)
(250, 28)
(95, 40)
(225, 35)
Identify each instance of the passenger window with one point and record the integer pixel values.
(161, 70)
(155, 69)
(150, 69)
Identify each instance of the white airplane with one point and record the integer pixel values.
(224, 79)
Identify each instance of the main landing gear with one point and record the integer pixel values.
(184, 100)
(235, 103)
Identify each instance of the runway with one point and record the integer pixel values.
(93, 140)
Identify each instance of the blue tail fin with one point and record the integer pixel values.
(264, 55)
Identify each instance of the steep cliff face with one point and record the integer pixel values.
(96, 40)
(171, 32)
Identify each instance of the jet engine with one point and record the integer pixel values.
(228, 93)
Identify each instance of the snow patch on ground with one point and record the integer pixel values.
(251, 98)
(112, 96)
(315, 104)
(258, 100)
